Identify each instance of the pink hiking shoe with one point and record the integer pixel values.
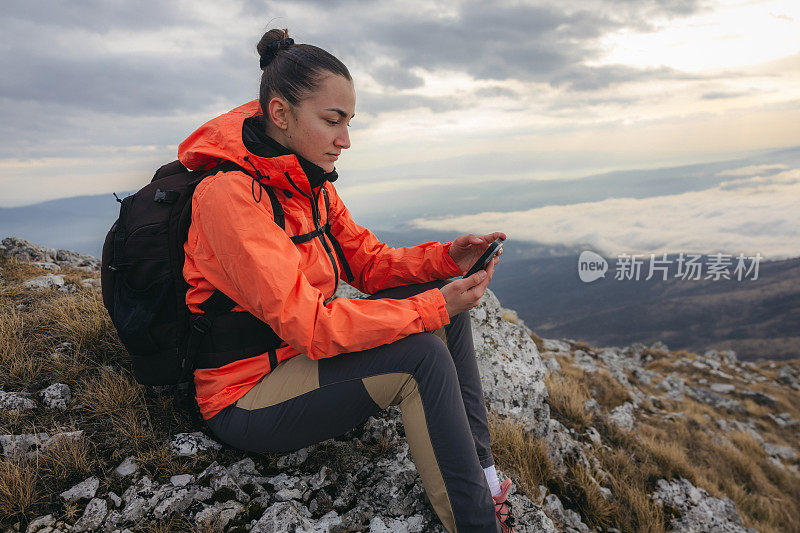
(502, 507)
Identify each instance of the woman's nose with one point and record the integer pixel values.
(343, 139)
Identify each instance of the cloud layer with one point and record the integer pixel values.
(753, 213)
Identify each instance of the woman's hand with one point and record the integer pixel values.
(466, 249)
(465, 293)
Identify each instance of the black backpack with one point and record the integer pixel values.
(142, 277)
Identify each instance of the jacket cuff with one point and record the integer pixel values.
(432, 308)
(451, 269)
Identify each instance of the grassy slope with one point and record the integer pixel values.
(120, 419)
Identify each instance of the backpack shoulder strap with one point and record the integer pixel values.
(336, 245)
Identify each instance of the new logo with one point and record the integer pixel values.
(591, 266)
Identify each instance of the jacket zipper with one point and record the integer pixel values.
(323, 238)
(315, 215)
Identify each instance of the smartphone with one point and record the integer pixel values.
(487, 256)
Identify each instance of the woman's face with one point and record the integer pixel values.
(317, 127)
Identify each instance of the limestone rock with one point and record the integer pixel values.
(512, 373)
(127, 467)
(48, 281)
(56, 396)
(698, 511)
(623, 416)
(188, 444)
(14, 401)
(85, 489)
(92, 517)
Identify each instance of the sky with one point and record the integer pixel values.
(454, 101)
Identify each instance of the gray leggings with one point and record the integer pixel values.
(435, 383)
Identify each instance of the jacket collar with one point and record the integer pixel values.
(223, 138)
(257, 142)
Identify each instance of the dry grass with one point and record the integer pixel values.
(19, 491)
(538, 341)
(17, 366)
(521, 454)
(567, 397)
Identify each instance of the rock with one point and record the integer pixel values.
(555, 346)
(31, 444)
(188, 444)
(181, 480)
(722, 388)
(85, 489)
(46, 265)
(715, 400)
(551, 365)
(127, 467)
(41, 524)
(22, 444)
(697, 510)
(784, 452)
(283, 516)
(91, 283)
(93, 516)
(674, 385)
(48, 281)
(594, 435)
(623, 416)
(512, 373)
(584, 361)
(116, 500)
(295, 458)
(783, 419)
(566, 517)
(759, 397)
(22, 250)
(56, 396)
(726, 356)
(592, 405)
(171, 501)
(222, 514)
(390, 525)
(14, 401)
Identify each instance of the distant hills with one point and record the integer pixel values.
(758, 319)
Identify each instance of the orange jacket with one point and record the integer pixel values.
(235, 246)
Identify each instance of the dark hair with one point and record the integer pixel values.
(295, 71)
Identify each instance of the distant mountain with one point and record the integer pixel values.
(79, 223)
(759, 319)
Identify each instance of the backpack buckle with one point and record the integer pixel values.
(165, 197)
(201, 324)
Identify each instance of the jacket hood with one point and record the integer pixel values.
(221, 139)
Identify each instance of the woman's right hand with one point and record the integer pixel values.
(464, 294)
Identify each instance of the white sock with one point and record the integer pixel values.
(491, 478)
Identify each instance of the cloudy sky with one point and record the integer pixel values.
(454, 100)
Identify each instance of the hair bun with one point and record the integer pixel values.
(269, 44)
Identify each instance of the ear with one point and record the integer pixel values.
(278, 110)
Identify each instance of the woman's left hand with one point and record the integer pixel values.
(466, 249)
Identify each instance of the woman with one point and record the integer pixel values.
(336, 361)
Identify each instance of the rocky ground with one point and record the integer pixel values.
(365, 480)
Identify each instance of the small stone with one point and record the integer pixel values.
(48, 281)
(189, 444)
(623, 417)
(14, 401)
(40, 523)
(181, 480)
(92, 517)
(127, 467)
(116, 500)
(56, 396)
(85, 489)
